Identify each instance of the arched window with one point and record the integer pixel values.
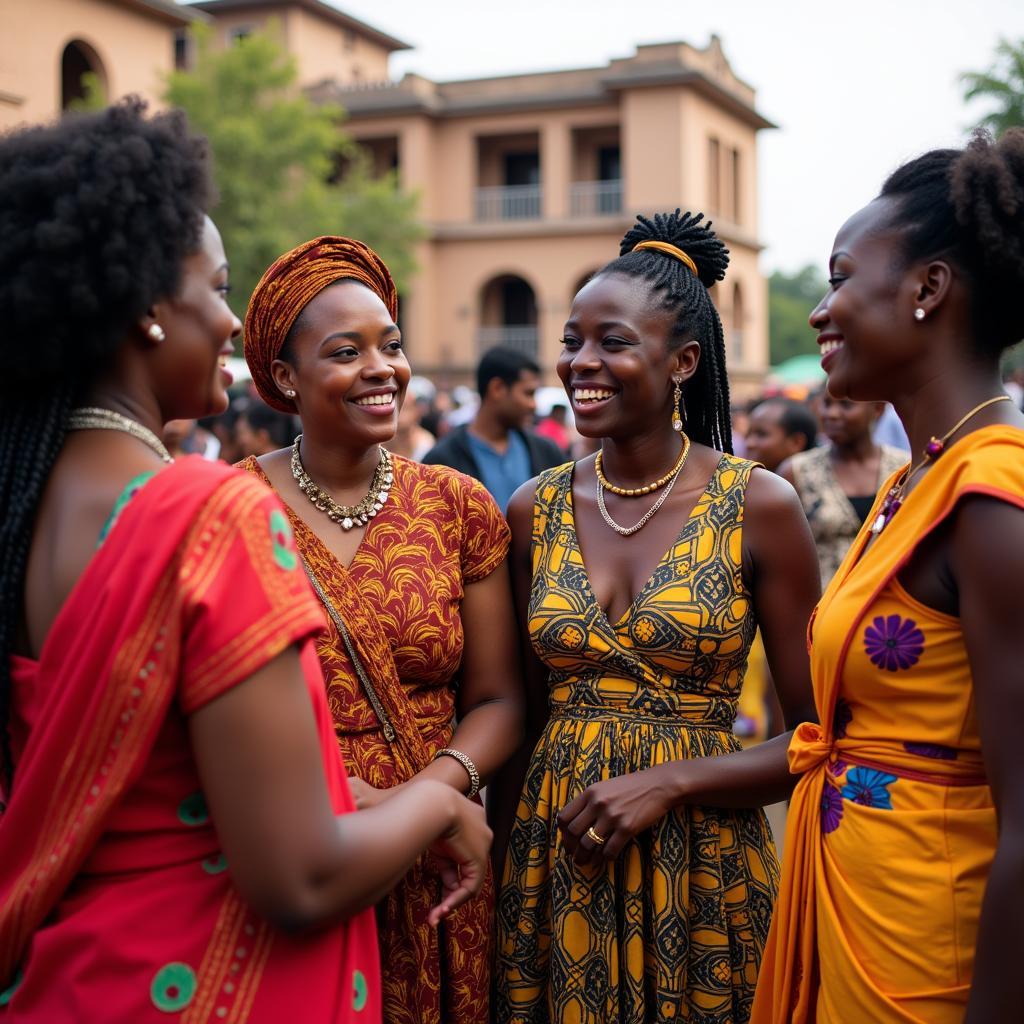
(508, 315)
(77, 60)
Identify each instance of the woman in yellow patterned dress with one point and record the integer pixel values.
(640, 872)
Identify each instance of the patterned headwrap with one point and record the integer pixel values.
(287, 288)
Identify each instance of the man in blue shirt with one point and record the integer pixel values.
(495, 446)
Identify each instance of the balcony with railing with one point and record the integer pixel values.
(522, 337)
(508, 202)
(595, 198)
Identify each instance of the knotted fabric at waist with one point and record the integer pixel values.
(809, 749)
(613, 697)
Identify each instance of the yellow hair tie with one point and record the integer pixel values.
(669, 250)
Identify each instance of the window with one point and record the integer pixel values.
(714, 176)
(181, 50)
(239, 32)
(522, 168)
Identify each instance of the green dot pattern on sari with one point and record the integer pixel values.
(360, 992)
(192, 810)
(284, 545)
(5, 996)
(173, 987)
(215, 865)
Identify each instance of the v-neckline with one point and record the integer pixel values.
(350, 567)
(631, 608)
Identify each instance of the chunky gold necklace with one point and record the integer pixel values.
(92, 417)
(346, 516)
(637, 492)
(673, 476)
(932, 450)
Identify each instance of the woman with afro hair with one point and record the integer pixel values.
(640, 874)
(177, 836)
(902, 896)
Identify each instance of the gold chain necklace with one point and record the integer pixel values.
(932, 450)
(636, 492)
(627, 531)
(92, 417)
(346, 516)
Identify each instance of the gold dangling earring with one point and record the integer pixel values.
(677, 400)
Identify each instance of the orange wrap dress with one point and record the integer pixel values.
(892, 827)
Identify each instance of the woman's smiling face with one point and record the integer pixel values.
(616, 363)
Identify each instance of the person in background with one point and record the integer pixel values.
(778, 428)
(222, 428)
(838, 482)
(555, 427)
(496, 447)
(260, 429)
(177, 838)
(409, 561)
(889, 431)
(901, 895)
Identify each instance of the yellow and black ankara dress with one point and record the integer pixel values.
(674, 928)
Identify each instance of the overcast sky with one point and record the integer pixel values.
(855, 88)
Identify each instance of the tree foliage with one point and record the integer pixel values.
(1002, 85)
(275, 155)
(791, 297)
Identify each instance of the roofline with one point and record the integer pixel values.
(169, 10)
(326, 10)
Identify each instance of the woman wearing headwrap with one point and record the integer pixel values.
(410, 564)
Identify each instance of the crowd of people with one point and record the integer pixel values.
(263, 645)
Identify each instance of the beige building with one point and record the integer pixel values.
(526, 182)
(47, 45)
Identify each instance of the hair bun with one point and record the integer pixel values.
(987, 191)
(685, 231)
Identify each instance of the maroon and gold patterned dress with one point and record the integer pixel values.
(400, 601)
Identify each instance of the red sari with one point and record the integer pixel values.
(115, 901)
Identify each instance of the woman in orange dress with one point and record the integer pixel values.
(410, 564)
(901, 898)
(176, 836)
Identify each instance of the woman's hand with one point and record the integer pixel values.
(617, 810)
(461, 855)
(366, 795)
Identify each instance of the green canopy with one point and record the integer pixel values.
(798, 370)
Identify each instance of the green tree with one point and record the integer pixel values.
(94, 96)
(1002, 85)
(791, 297)
(275, 155)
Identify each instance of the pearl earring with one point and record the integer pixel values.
(289, 393)
(919, 314)
(155, 333)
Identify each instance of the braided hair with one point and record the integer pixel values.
(967, 206)
(706, 393)
(98, 213)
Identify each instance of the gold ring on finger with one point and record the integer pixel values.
(595, 837)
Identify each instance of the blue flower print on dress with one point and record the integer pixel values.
(893, 643)
(869, 788)
(831, 807)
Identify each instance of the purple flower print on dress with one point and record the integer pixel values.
(934, 750)
(893, 643)
(841, 718)
(831, 808)
(869, 787)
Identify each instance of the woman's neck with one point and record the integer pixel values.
(336, 467)
(636, 461)
(861, 449)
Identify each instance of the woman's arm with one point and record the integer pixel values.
(781, 570)
(258, 755)
(507, 785)
(987, 563)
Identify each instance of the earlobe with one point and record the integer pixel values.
(932, 288)
(282, 374)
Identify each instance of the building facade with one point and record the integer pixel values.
(47, 45)
(528, 182)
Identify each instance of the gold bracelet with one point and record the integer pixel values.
(467, 762)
